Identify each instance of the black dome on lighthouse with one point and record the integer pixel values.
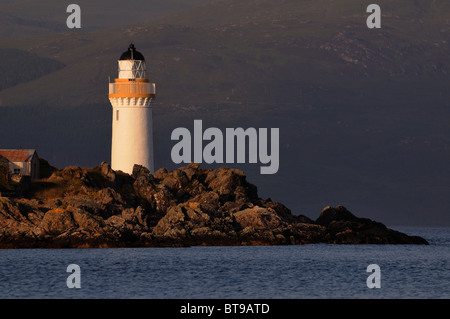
(132, 54)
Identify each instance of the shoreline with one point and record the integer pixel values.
(189, 206)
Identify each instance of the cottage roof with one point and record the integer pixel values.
(15, 155)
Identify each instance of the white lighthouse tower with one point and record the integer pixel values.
(132, 129)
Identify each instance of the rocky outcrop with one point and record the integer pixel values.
(99, 207)
(345, 228)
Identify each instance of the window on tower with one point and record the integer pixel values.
(117, 115)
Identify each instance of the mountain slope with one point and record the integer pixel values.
(23, 18)
(258, 51)
(20, 66)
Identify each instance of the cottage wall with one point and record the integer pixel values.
(26, 168)
(22, 162)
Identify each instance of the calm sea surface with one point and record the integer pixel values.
(309, 271)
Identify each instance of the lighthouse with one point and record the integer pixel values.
(132, 130)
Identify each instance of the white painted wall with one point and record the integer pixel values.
(132, 134)
(26, 168)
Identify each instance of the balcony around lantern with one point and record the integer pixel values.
(132, 89)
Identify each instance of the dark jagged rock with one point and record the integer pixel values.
(344, 227)
(98, 207)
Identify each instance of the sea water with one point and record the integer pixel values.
(288, 272)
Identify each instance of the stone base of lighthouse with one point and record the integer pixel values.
(132, 133)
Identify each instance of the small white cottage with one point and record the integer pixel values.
(22, 162)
